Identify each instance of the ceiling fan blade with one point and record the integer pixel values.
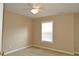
(33, 5)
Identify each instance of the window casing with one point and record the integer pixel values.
(47, 31)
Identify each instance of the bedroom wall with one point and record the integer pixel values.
(63, 32)
(76, 32)
(17, 31)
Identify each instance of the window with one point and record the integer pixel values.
(47, 31)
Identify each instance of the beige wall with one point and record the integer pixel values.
(17, 31)
(63, 32)
(1, 22)
(76, 32)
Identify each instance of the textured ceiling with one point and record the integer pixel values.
(48, 8)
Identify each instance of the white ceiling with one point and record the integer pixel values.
(48, 8)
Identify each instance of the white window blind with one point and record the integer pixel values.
(47, 31)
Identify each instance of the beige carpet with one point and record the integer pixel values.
(33, 51)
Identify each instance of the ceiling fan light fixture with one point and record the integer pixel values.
(35, 11)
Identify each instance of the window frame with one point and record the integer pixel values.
(52, 31)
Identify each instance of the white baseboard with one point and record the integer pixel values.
(71, 53)
(5, 53)
(77, 53)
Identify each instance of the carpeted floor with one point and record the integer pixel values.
(33, 51)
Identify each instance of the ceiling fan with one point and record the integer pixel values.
(36, 7)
